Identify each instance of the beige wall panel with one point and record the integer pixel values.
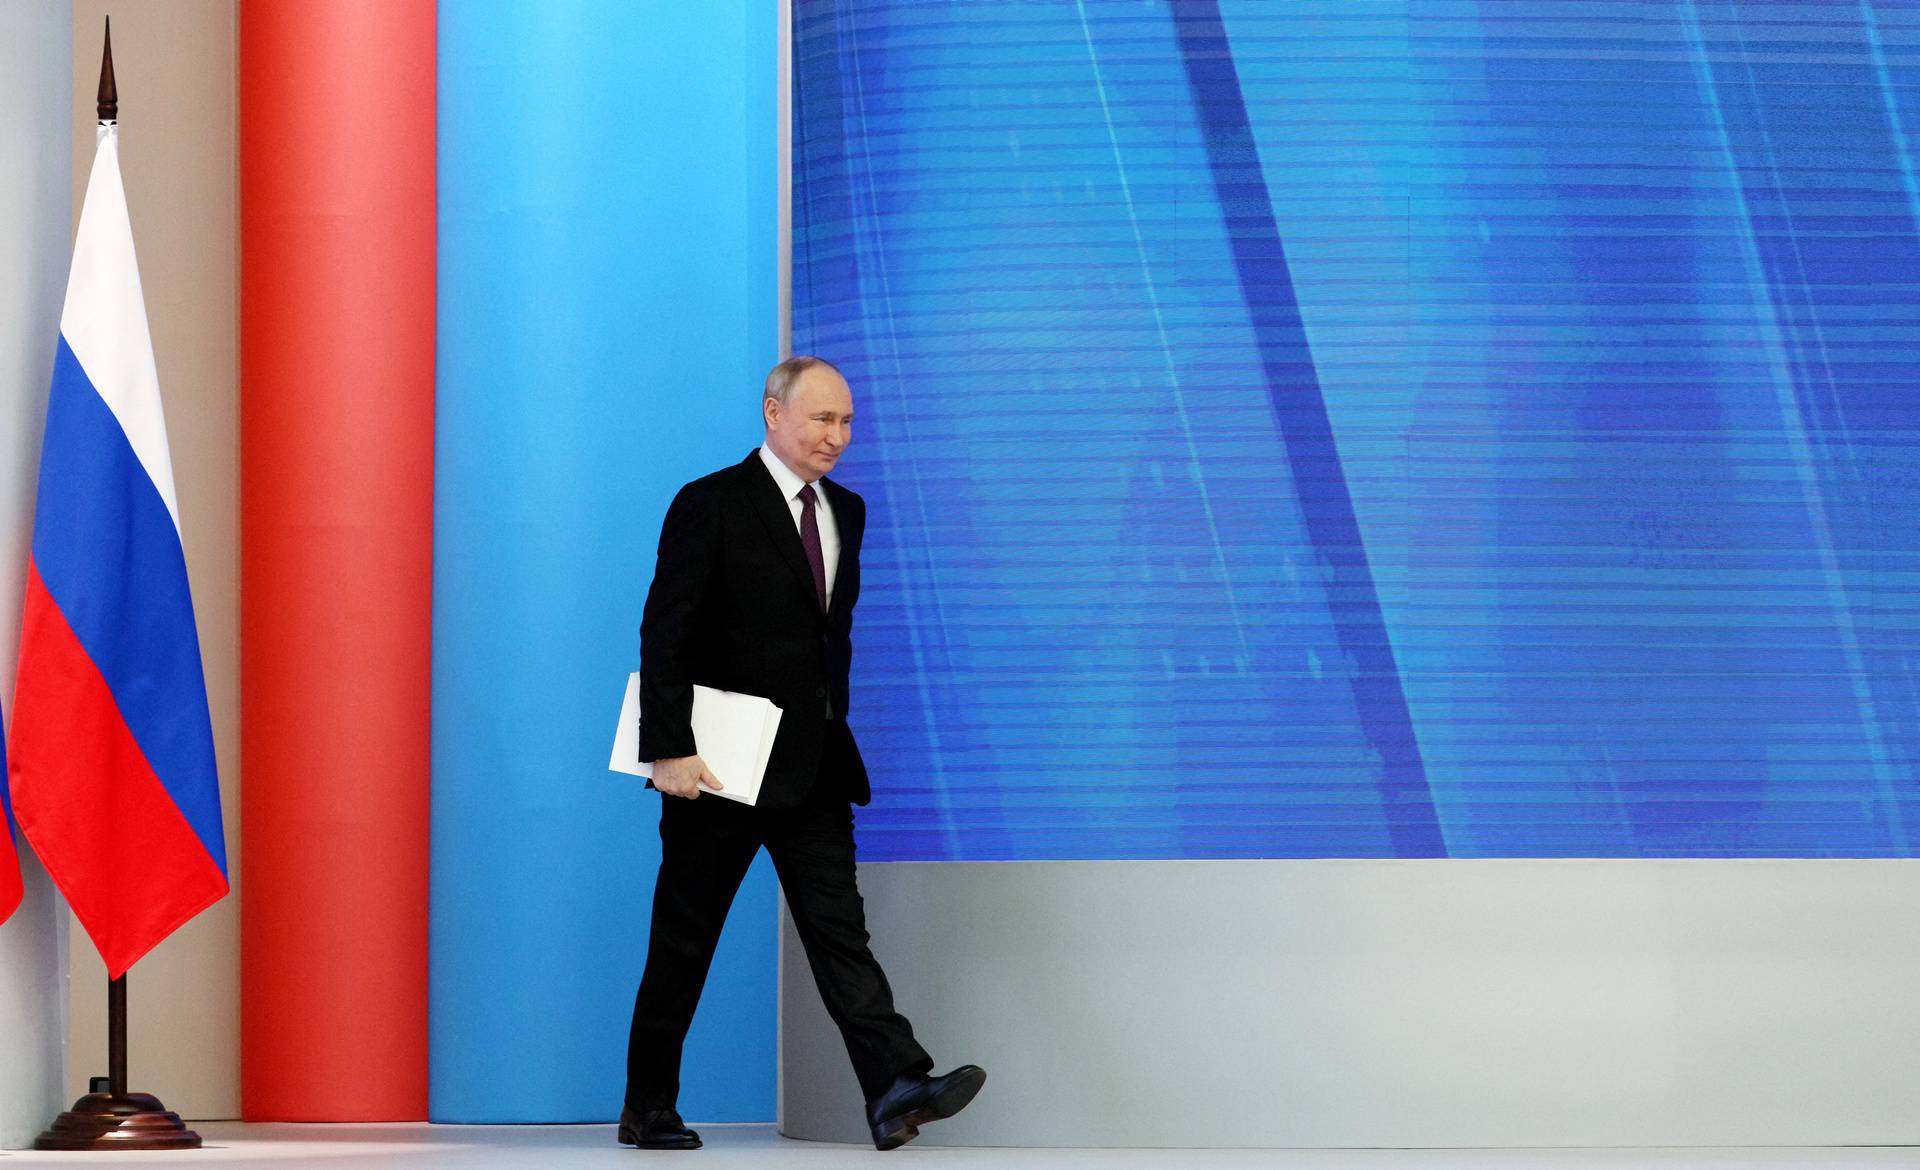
(175, 63)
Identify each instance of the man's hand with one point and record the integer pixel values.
(683, 776)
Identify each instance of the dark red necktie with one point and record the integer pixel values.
(810, 540)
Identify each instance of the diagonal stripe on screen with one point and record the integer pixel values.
(1794, 407)
(1300, 410)
(1896, 130)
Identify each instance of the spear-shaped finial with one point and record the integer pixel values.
(109, 96)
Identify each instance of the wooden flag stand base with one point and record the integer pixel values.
(130, 1121)
(117, 1119)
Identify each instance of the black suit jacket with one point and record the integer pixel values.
(733, 607)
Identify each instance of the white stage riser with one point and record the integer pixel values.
(1392, 1003)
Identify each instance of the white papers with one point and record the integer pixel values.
(732, 733)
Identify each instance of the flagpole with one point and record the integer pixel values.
(117, 1037)
(116, 1119)
(108, 97)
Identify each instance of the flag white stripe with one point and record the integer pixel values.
(105, 321)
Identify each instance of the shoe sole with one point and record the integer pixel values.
(628, 1138)
(898, 1131)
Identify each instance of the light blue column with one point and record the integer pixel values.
(36, 227)
(606, 312)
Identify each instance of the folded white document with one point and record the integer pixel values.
(733, 734)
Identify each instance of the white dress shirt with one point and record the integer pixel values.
(790, 485)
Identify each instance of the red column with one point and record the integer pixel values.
(337, 341)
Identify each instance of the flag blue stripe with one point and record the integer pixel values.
(108, 551)
(6, 799)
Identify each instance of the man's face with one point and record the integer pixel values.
(815, 425)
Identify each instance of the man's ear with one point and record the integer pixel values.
(770, 411)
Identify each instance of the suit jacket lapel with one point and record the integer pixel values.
(778, 518)
(849, 543)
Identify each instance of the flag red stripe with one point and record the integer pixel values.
(10, 888)
(84, 794)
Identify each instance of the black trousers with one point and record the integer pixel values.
(706, 846)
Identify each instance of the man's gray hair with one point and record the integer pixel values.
(781, 378)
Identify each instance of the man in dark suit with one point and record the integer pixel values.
(753, 591)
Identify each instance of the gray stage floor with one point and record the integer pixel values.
(737, 1147)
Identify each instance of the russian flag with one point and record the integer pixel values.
(10, 889)
(113, 770)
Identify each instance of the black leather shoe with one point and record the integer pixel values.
(656, 1129)
(911, 1101)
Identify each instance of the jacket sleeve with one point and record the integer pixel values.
(684, 567)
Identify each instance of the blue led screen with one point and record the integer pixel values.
(1374, 429)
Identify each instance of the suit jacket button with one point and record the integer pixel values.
(819, 692)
